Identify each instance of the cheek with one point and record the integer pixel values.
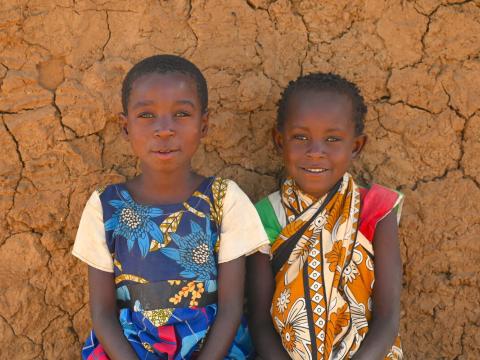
(291, 161)
(139, 129)
(343, 157)
(194, 135)
(294, 151)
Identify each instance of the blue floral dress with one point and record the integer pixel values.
(165, 268)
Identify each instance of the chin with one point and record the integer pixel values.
(165, 168)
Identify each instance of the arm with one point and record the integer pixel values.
(103, 310)
(261, 285)
(231, 280)
(383, 327)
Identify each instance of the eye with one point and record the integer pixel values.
(300, 137)
(333, 139)
(146, 115)
(182, 114)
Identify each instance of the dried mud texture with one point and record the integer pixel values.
(61, 66)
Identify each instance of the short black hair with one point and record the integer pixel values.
(163, 64)
(324, 82)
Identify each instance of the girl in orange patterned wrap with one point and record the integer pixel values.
(331, 289)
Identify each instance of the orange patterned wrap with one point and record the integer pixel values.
(322, 301)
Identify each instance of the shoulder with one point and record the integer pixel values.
(377, 202)
(230, 186)
(241, 229)
(109, 189)
(237, 203)
(111, 193)
(271, 214)
(379, 193)
(90, 243)
(269, 205)
(94, 204)
(233, 192)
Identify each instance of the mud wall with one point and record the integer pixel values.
(61, 65)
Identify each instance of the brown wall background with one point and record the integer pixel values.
(61, 65)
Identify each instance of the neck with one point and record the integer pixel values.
(164, 187)
(162, 180)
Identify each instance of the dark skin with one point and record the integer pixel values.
(318, 143)
(164, 124)
(383, 327)
(260, 288)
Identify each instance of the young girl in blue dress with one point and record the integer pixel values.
(166, 249)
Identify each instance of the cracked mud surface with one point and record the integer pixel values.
(61, 65)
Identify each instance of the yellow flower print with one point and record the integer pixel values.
(196, 290)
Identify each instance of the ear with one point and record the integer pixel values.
(124, 124)
(204, 124)
(358, 144)
(277, 139)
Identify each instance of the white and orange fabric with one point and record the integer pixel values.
(323, 262)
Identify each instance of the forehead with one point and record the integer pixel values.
(168, 86)
(319, 107)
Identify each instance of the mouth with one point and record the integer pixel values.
(315, 170)
(165, 153)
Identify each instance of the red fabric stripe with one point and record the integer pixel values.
(376, 203)
(98, 354)
(169, 344)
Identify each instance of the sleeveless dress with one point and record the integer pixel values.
(323, 262)
(165, 266)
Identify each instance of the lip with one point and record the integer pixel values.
(315, 170)
(165, 153)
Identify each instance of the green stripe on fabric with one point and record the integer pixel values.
(269, 219)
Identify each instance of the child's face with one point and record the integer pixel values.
(165, 122)
(318, 140)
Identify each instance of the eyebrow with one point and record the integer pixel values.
(149, 102)
(334, 130)
(306, 128)
(186, 102)
(141, 103)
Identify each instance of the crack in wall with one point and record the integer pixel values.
(20, 158)
(108, 37)
(68, 131)
(222, 154)
(189, 17)
(424, 35)
(309, 42)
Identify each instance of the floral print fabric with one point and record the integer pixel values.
(173, 248)
(322, 301)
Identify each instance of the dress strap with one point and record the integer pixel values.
(219, 190)
(376, 203)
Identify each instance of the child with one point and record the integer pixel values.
(326, 298)
(166, 249)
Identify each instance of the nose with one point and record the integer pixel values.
(317, 149)
(164, 126)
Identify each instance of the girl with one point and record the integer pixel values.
(166, 249)
(327, 299)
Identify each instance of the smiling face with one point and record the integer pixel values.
(164, 121)
(318, 140)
